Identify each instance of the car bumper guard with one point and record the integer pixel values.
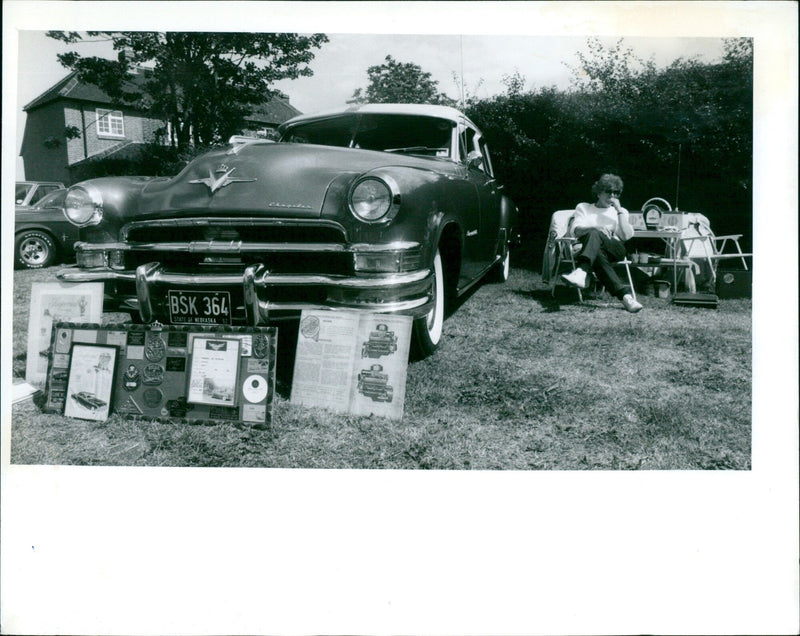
(406, 293)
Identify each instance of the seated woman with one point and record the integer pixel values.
(601, 228)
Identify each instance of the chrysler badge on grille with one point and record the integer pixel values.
(216, 184)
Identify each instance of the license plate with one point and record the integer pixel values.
(199, 307)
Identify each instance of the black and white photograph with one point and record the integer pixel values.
(579, 219)
(543, 232)
(90, 381)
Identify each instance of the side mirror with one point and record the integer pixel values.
(475, 159)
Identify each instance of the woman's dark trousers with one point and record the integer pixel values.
(598, 254)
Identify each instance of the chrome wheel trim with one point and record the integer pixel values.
(33, 251)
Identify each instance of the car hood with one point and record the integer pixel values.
(266, 179)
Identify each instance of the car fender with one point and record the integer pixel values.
(429, 205)
(508, 213)
(39, 227)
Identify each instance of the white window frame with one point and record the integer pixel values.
(106, 120)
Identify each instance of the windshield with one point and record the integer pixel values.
(412, 134)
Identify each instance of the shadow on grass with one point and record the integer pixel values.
(550, 303)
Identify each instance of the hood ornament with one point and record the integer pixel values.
(215, 184)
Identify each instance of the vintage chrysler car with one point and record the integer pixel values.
(389, 208)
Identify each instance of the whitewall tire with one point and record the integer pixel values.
(428, 329)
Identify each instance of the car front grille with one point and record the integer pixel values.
(230, 244)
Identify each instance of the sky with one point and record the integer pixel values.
(340, 65)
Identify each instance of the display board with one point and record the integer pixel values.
(352, 362)
(188, 374)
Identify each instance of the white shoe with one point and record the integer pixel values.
(631, 304)
(576, 278)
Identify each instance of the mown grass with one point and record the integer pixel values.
(522, 381)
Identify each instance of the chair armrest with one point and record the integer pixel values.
(567, 244)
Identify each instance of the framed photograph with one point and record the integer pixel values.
(90, 381)
(214, 371)
(52, 303)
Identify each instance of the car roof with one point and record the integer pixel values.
(423, 110)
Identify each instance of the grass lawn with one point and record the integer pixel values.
(521, 381)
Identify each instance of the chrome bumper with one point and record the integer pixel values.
(407, 293)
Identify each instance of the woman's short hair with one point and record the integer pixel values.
(607, 182)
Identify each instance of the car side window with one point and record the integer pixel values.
(487, 162)
(37, 196)
(22, 192)
(467, 143)
(475, 147)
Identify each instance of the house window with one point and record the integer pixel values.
(109, 123)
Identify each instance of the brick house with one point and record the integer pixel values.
(106, 129)
(264, 119)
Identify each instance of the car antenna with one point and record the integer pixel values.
(678, 179)
(461, 46)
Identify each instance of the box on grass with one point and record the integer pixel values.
(686, 299)
(734, 283)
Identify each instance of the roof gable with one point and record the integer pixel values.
(72, 88)
(275, 111)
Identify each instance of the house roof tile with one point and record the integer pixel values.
(72, 88)
(274, 112)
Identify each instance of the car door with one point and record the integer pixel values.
(481, 175)
(472, 254)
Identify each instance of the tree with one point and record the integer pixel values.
(399, 83)
(203, 84)
(685, 129)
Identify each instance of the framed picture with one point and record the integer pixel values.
(90, 381)
(214, 371)
(52, 303)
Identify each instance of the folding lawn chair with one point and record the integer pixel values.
(560, 251)
(700, 243)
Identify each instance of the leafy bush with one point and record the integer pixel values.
(683, 133)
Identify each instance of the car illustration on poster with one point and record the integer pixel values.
(387, 208)
(88, 400)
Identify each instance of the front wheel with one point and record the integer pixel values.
(34, 249)
(428, 329)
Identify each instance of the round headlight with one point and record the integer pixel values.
(371, 199)
(83, 206)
